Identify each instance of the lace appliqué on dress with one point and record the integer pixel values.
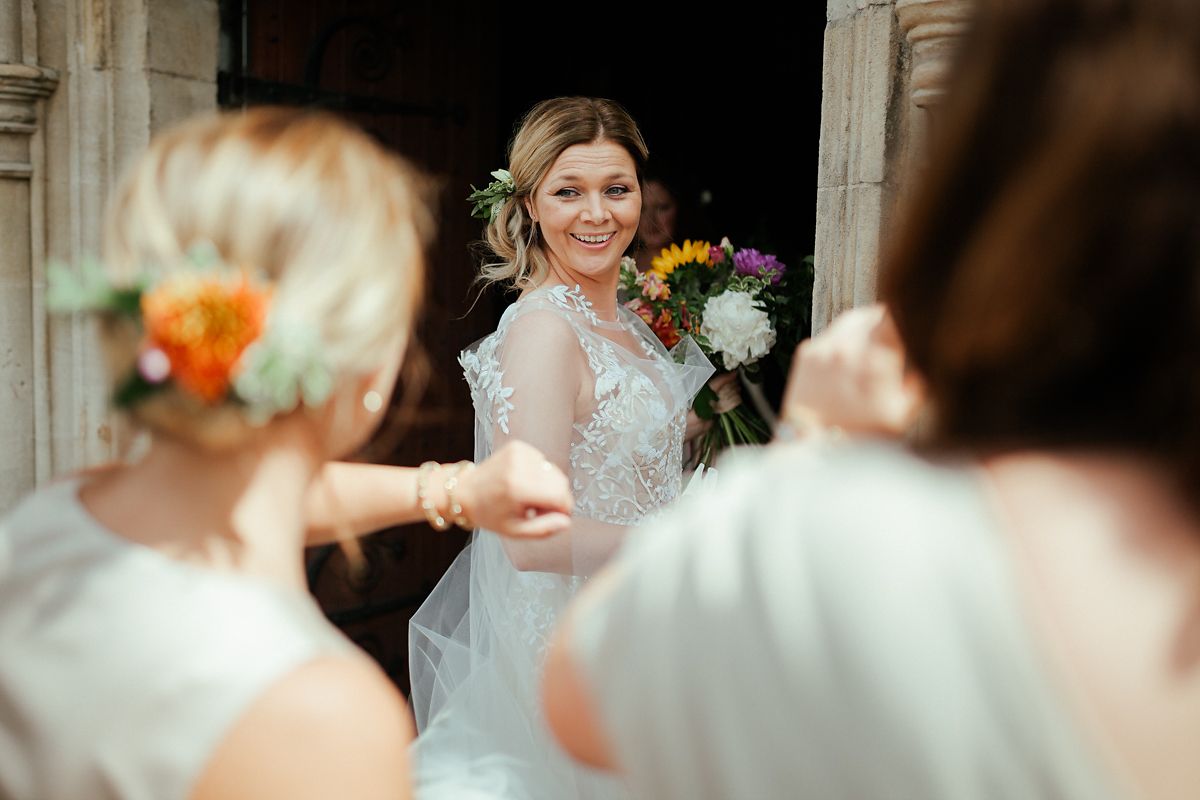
(486, 379)
(627, 460)
(573, 300)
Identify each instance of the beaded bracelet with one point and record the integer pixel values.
(456, 509)
(436, 520)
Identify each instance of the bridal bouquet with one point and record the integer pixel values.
(734, 303)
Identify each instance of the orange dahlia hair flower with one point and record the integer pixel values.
(203, 323)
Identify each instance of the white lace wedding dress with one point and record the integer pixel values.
(607, 402)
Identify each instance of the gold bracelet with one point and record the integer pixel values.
(435, 519)
(456, 509)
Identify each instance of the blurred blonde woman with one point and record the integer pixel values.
(263, 271)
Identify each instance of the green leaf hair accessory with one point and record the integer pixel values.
(282, 369)
(489, 201)
(88, 289)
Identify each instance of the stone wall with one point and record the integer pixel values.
(864, 143)
(885, 68)
(83, 86)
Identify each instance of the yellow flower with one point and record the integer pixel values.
(203, 324)
(676, 256)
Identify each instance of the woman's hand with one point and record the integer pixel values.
(729, 396)
(729, 392)
(517, 492)
(853, 376)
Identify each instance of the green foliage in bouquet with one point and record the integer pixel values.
(740, 306)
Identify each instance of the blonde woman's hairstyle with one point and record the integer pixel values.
(337, 224)
(549, 128)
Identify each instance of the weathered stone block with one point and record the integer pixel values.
(857, 87)
(829, 251)
(17, 467)
(871, 92)
(837, 77)
(173, 99)
(183, 38)
(866, 210)
(840, 9)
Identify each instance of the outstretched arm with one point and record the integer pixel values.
(513, 492)
(548, 373)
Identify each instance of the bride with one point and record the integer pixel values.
(571, 372)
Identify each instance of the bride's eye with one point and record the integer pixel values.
(617, 191)
(564, 193)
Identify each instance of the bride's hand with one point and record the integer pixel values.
(853, 376)
(517, 492)
(729, 396)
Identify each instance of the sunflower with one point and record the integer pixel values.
(676, 256)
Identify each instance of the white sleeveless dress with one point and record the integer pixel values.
(121, 669)
(831, 622)
(607, 402)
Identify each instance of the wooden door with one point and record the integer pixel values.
(409, 74)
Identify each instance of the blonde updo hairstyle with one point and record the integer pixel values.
(335, 222)
(549, 128)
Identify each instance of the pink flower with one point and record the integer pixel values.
(653, 286)
(643, 310)
(154, 365)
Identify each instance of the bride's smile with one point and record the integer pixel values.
(593, 240)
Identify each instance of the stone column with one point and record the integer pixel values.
(886, 67)
(933, 29)
(124, 69)
(23, 86)
(130, 68)
(864, 141)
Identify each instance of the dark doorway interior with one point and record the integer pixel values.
(729, 105)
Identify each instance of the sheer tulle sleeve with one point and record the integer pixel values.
(547, 369)
(543, 366)
(689, 368)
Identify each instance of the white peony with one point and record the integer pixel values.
(737, 328)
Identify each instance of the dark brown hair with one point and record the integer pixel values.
(1046, 279)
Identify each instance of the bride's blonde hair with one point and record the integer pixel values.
(549, 128)
(338, 225)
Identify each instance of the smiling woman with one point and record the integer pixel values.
(586, 382)
(587, 208)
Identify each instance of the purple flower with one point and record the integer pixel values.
(751, 262)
